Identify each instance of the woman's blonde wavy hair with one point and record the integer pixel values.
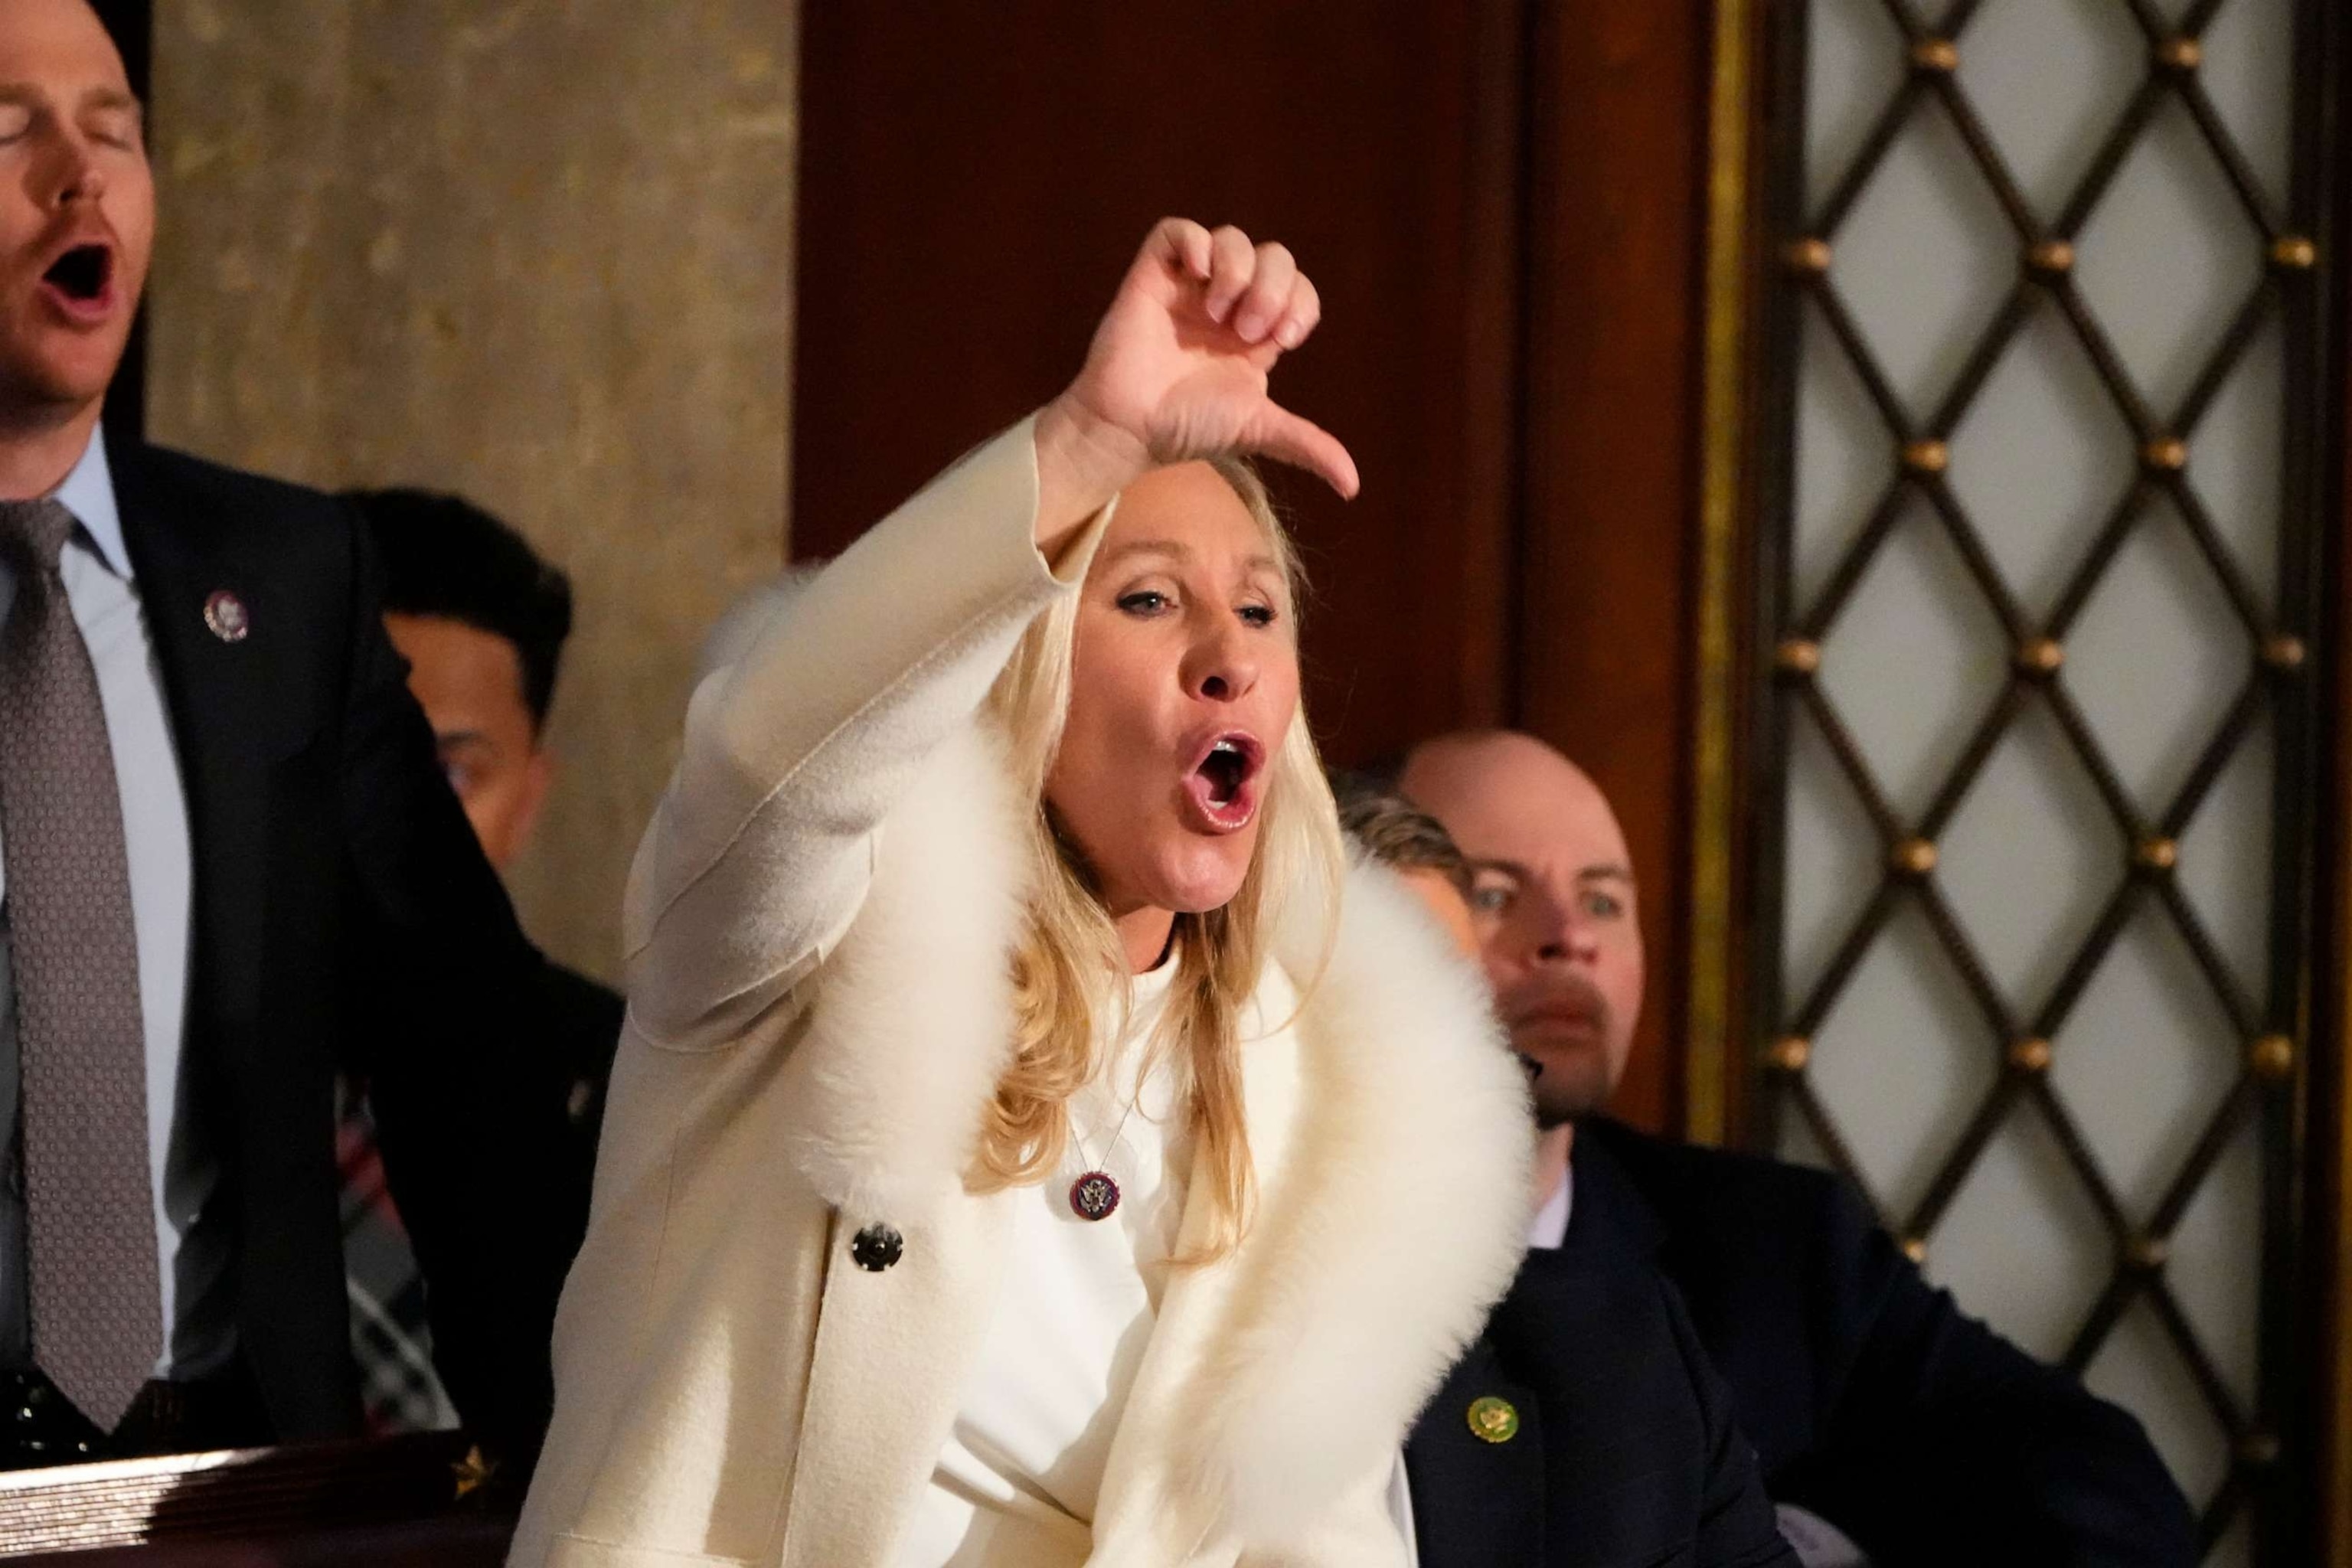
(1071, 983)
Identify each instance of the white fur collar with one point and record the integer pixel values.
(1401, 1217)
(912, 1023)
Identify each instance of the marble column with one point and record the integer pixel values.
(535, 251)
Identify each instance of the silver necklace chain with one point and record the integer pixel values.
(1142, 1081)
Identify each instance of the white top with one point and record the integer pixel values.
(191, 1248)
(1548, 1231)
(1015, 1485)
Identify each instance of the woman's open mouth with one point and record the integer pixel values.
(80, 282)
(1223, 785)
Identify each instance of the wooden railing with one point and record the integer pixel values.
(370, 1504)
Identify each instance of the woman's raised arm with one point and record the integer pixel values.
(759, 854)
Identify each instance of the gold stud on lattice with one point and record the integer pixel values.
(1789, 1054)
(1927, 456)
(1915, 1248)
(1810, 257)
(1940, 54)
(2051, 258)
(2283, 651)
(2271, 1058)
(1913, 857)
(2155, 853)
(2040, 657)
(2181, 53)
(2030, 1055)
(2258, 1449)
(2147, 1252)
(2294, 252)
(2166, 454)
(1797, 655)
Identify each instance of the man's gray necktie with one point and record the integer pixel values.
(90, 1222)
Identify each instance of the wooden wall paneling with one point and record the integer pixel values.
(1504, 204)
(1606, 560)
(974, 179)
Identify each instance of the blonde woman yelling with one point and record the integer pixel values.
(1032, 1144)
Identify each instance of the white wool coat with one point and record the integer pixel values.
(818, 924)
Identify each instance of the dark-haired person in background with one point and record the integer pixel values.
(1586, 1425)
(231, 870)
(482, 621)
(1885, 1416)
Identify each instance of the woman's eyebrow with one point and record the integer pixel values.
(1176, 549)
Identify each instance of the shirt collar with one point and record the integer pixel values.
(1548, 1229)
(89, 494)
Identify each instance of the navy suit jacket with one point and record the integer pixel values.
(344, 920)
(1626, 1455)
(1872, 1400)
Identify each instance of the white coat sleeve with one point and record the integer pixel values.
(759, 853)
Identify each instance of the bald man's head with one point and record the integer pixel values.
(1554, 897)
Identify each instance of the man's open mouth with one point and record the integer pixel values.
(82, 274)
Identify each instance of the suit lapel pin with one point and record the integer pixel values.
(224, 613)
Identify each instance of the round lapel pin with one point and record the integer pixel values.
(224, 613)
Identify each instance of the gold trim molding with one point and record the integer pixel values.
(1710, 1026)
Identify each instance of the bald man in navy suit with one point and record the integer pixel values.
(1890, 1425)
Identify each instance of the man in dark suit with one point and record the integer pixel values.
(1888, 1422)
(482, 621)
(231, 867)
(1585, 1428)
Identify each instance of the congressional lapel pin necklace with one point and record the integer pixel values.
(1095, 1195)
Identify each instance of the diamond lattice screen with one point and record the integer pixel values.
(2039, 654)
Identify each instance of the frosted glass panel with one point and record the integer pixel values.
(1914, 660)
(2225, 861)
(1902, 1061)
(2249, 51)
(2215, 1258)
(1925, 259)
(1856, 62)
(2234, 461)
(1845, 455)
(1834, 857)
(1798, 1143)
(2156, 660)
(2236, 1547)
(2144, 1062)
(2051, 77)
(2139, 1369)
(2118, 613)
(2041, 460)
(2021, 1245)
(2030, 860)
(2167, 258)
